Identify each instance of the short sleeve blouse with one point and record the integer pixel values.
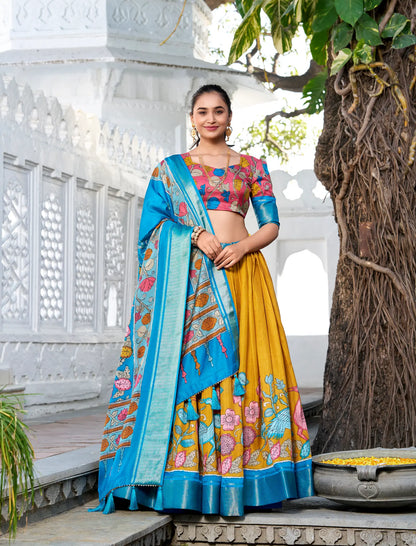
(245, 181)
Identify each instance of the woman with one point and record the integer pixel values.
(205, 413)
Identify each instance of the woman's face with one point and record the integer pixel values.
(211, 116)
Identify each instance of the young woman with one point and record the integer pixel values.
(205, 413)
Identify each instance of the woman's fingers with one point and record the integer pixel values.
(209, 244)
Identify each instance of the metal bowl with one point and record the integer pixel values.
(366, 486)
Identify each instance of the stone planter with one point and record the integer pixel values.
(367, 486)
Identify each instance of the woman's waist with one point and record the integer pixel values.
(228, 226)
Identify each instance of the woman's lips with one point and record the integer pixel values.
(211, 128)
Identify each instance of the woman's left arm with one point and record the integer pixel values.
(232, 254)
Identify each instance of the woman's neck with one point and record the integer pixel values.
(212, 149)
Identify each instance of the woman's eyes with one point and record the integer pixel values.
(204, 112)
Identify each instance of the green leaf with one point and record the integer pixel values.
(395, 25)
(366, 30)
(242, 6)
(341, 36)
(314, 92)
(325, 15)
(318, 47)
(363, 53)
(349, 10)
(246, 34)
(308, 12)
(371, 4)
(403, 40)
(284, 23)
(340, 60)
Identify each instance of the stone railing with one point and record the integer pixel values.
(71, 189)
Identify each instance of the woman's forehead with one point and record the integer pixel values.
(210, 100)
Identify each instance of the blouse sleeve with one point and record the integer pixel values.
(262, 197)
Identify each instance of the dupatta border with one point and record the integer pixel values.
(218, 278)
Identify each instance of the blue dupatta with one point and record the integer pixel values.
(182, 336)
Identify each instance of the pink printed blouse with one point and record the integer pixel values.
(249, 179)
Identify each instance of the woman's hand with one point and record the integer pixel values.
(209, 244)
(230, 256)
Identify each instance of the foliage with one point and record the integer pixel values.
(281, 137)
(346, 29)
(16, 452)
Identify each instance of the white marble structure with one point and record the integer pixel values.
(89, 102)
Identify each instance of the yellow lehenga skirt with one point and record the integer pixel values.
(242, 442)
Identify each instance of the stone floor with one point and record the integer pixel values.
(67, 431)
(67, 447)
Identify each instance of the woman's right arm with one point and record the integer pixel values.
(209, 244)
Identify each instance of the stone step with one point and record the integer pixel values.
(62, 482)
(80, 527)
(312, 521)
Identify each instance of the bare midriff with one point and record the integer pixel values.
(228, 226)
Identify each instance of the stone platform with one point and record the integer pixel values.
(311, 521)
(67, 448)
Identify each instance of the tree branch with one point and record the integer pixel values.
(387, 15)
(249, 57)
(213, 4)
(287, 83)
(286, 115)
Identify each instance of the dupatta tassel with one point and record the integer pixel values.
(215, 403)
(239, 390)
(99, 508)
(110, 506)
(191, 414)
(133, 500)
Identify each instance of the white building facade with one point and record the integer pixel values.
(89, 103)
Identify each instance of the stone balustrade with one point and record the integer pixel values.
(71, 190)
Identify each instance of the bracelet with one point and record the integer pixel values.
(196, 233)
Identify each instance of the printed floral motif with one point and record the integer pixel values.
(147, 284)
(226, 465)
(249, 435)
(230, 420)
(183, 210)
(237, 400)
(275, 451)
(252, 412)
(180, 459)
(227, 444)
(123, 414)
(122, 384)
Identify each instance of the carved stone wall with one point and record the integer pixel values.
(322, 527)
(70, 194)
(132, 24)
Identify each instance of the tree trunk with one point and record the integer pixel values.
(365, 158)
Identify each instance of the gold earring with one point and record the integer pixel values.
(228, 132)
(194, 133)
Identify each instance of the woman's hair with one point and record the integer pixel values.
(209, 88)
